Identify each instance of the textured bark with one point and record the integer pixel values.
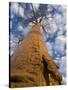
(31, 64)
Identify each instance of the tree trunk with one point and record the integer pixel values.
(31, 64)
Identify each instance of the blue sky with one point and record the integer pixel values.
(20, 18)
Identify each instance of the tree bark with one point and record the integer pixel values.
(31, 64)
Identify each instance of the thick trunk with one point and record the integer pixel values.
(31, 64)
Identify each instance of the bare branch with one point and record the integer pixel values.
(33, 12)
(44, 29)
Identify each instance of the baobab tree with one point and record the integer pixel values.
(31, 63)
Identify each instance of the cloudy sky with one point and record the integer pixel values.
(54, 22)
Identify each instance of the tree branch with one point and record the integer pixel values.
(33, 12)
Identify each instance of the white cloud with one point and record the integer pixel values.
(31, 23)
(49, 8)
(13, 38)
(53, 27)
(49, 46)
(24, 30)
(61, 30)
(62, 65)
(21, 11)
(58, 18)
(63, 62)
(27, 29)
(57, 22)
(35, 6)
(50, 25)
(16, 9)
(61, 39)
(60, 43)
(20, 27)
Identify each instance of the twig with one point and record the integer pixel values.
(33, 12)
